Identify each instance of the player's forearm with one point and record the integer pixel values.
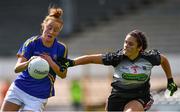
(57, 70)
(21, 66)
(166, 66)
(87, 59)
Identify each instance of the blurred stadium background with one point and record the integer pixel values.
(94, 26)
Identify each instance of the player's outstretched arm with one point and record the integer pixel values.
(88, 59)
(85, 59)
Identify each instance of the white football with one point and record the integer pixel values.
(38, 68)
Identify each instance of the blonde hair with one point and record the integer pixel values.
(54, 13)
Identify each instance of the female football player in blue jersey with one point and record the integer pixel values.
(131, 79)
(27, 93)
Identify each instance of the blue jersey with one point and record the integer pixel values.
(40, 88)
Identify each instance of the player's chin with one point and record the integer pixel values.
(49, 39)
(125, 51)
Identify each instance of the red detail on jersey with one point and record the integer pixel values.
(134, 68)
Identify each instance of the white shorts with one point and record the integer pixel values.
(26, 101)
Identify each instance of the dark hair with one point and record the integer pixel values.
(140, 37)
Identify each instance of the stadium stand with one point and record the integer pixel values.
(22, 19)
(159, 22)
(19, 21)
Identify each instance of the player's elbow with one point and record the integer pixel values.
(16, 70)
(63, 77)
(62, 74)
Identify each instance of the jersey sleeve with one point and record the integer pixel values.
(112, 58)
(62, 53)
(26, 49)
(62, 50)
(153, 56)
(65, 51)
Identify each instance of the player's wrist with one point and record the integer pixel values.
(170, 80)
(71, 63)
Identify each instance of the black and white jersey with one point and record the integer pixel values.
(132, 74)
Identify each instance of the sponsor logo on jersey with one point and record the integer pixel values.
(138, 77)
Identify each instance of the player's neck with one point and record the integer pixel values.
(47, 43)
(134, 56)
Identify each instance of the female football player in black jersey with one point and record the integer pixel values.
(131, 79)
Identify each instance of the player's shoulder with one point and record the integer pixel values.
(31, 40)
(118, 54)
(59, 43)
(153, 56)
(63, 47)
(113, 58)
(152, 52)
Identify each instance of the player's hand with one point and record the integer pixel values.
(65, 63)
(46, 57)
(171, 86)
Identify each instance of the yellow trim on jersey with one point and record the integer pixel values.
(27, 42)
(52, 80)
(30, 40)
